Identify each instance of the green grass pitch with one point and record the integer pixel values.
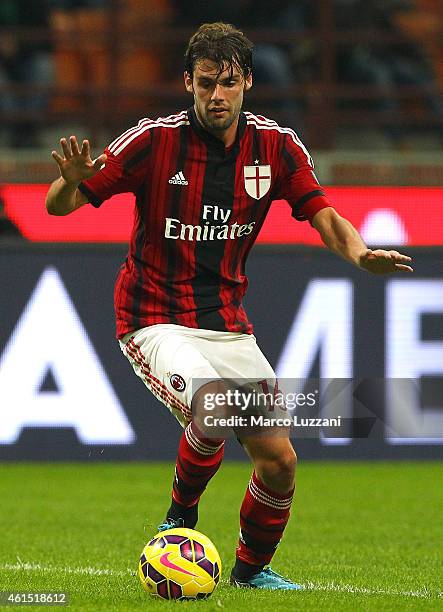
(362, 536)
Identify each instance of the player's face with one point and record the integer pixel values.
(218, 97)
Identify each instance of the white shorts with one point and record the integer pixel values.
(169, 357)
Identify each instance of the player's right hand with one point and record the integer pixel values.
(77, 165)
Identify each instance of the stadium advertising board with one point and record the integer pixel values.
(383, 215)
(67, 392)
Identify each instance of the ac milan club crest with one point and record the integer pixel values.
(257, 180)
(177, 382)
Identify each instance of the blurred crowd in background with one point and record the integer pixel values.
(316, 63)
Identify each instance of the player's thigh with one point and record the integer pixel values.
(238, 357)
(243, 366)
(168, 362)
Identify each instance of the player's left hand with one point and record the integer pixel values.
(385, 262)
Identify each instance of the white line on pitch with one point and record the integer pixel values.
(89, 571)
(348, 588)
(423, 593)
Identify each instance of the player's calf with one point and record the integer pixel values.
(198, 459)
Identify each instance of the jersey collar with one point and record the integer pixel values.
(211, 140)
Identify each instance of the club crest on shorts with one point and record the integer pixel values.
(257, 180)
(177, 382)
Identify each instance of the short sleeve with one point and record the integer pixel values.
(297, 182)
(124, 170)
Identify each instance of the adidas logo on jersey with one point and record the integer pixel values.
(178, 179)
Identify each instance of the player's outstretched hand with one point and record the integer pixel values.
(385, 262)
(76, 165)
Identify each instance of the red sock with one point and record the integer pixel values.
(198, 460)
(263, 518)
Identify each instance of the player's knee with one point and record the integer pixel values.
(278, 472)
(286, 464)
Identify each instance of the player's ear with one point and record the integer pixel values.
(188, 82)
(248, 82)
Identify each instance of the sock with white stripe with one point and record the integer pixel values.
(263, 518)
(198, 460)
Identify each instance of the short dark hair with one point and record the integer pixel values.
(221, 43)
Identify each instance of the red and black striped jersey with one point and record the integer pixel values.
(199, 208)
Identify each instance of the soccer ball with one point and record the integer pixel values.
(180, 564)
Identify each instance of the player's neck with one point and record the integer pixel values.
(229, 135)
(226, 136)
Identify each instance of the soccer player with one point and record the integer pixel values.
(204, 180)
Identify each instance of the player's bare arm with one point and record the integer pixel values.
(75, 166)
(341, 237)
